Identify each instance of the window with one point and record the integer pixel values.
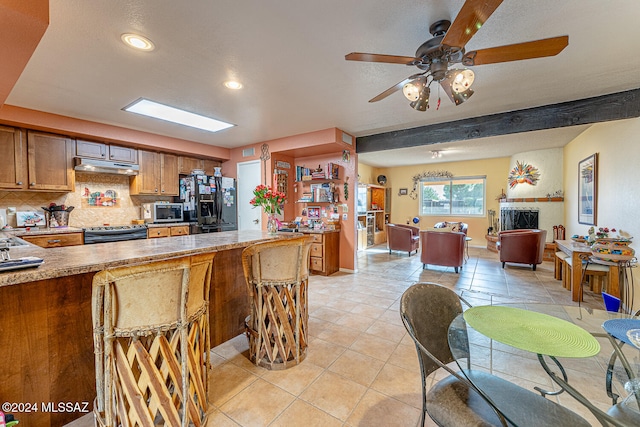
(454, 196)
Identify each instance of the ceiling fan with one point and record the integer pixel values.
(436, 56)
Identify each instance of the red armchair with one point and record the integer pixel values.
(402, 237)
(442, 248)
(522, 246)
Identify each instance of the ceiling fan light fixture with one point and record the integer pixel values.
(413, 89)
(462, 80)
(422, 103)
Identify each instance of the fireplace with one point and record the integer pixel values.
(515, 219)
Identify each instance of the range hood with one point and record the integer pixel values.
(104, 166)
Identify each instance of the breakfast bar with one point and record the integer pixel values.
(45, 320)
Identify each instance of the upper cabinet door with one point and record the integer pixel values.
(187, 164)
(123, 154)
(148, 179)
(90, 149)
(50, 161)
(169, 175)
(13, 152)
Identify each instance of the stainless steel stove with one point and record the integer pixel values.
(114, 233)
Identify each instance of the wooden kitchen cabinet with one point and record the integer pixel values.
(99, 150)
(56, 240)
(50, 162)
(158, 174)
(325, 253)
(187, 164)
(168, 231)
(13, 152)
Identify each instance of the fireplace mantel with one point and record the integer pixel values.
(532, 199)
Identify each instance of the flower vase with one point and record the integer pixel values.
(272, 224)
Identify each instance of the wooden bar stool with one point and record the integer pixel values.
(557, 267)
(596, 274)
(277, 274)
(151, 340)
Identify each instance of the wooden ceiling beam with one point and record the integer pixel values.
(615, 106)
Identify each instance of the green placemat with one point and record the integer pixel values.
(531, 331)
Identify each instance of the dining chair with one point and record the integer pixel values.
(427, 310)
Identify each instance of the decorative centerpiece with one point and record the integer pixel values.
(271, 201)
(612, 248)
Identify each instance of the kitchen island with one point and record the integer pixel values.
(46, 337)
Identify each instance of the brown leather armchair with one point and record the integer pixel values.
(402, 237)
(442, 248)
(522, 246)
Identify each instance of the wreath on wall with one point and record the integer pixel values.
(427, 174)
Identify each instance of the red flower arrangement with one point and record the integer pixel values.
(268, 199)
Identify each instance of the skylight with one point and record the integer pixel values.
(176, 115)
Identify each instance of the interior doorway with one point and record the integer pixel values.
(249, 218)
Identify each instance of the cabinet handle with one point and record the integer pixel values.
(156, 190)
(162, 191)
(19, 183)
(102, 154)
(53, 241)
(32, 184)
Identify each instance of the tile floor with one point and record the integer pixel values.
(361, 368)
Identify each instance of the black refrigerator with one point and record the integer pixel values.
(209, 203)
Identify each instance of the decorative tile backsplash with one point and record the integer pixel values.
(98, 199)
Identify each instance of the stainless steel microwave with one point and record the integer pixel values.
(162, 212)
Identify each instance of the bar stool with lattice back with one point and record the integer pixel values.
(151, 339)
(277, 274)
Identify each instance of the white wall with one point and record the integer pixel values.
(618, 202)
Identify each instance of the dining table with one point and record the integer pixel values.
(580, 251)
(531, 343)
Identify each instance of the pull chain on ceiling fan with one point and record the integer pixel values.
(436, 56)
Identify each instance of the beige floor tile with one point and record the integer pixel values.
(355, 321)
(216, 418)
(368, 310)
(302, 414)
(338, 334)
(376, 409)
(405, 356)
(399, 383)
(295, 379)
(226, 381)
(357, 367)
(374, 346)
(334, 394)
(258, 404)
(323, 353)
(389, 331)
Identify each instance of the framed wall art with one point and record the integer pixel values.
(588, 190)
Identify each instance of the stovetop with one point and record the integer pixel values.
(116, 227)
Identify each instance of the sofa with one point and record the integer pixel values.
(522, 246)
(401, 237)
(442, 248)
(456, 226)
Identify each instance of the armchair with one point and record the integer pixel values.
(402, 237)
(522, 246)
(445, 249)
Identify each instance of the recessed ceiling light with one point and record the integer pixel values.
(176, 115)
(232, 84)
(138, 42)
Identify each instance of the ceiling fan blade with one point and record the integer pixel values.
(394, 88)
(374, 57)
(471, 17)
(517, 52)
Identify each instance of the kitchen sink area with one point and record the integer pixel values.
(6, 242)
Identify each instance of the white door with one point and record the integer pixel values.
(249, 218)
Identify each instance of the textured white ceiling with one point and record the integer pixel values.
(290, 57)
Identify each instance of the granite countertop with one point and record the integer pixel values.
(70, 260)
(35, 231)
(310, 231)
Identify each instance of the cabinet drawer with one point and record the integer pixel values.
(182, 230)
(316, 263)
(317, 249)
(55, 240)
(317, 238)
(158, 232)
